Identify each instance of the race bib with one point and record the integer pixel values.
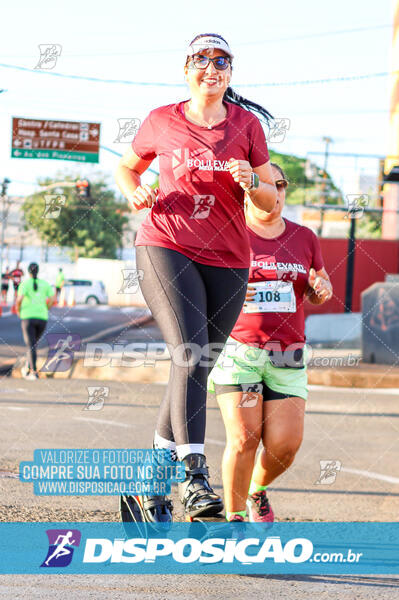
(272, 296)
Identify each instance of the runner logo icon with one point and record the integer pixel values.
(127, 130)
(60, 551)
(203, 205)
(97, 395)
(251, 394)
(49, 54)
(328, 471)
(54, 204)
(131, 278)
(61, 351)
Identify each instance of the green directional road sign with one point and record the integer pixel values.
(55, 140)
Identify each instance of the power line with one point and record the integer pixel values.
(162, 51)
(318, 81)
(164, 84)
(317, 35)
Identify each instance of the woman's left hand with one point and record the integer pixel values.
(241, 172)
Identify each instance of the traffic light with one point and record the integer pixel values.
(83, 188)
(4, 186)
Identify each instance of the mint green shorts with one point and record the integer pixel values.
(242, 364)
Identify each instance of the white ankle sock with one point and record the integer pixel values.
(185, 449)
(161, 443)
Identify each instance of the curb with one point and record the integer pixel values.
(367, 376)
(364, 376)
(12, 367)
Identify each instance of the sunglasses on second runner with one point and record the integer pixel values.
(281, 184)
(220, 63)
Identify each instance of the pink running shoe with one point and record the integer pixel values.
(259, 509)
(236, 519)
(237, 527)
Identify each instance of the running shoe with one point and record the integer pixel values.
(25, 371)
(32, 377)
(151, 509)
(259, 509)
(196, 495)
(236, 527)
(236, 519)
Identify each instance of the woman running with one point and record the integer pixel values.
(35, 297)
(193, 246)
(260, 378)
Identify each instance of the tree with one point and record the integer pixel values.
(91, 227)
(305, 183)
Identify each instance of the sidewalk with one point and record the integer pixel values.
(329, 367)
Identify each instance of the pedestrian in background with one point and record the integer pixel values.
(16, 276)
(59, 282)
(5, 279)
(35, 297)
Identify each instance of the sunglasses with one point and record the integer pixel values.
(220, 63)
(281, 184)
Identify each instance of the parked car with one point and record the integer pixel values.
(87, 291)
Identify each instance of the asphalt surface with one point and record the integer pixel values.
(103, 322)
(359, 428)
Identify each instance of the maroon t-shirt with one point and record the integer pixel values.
(199, 211)
(284, 262)
(16, 275)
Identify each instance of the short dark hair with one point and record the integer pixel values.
(276, 166)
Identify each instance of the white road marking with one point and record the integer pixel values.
(371, 475)
(216, 442)
(103, 421)
(80, 319)
(15, 407)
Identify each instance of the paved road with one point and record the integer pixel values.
(106, 323)
(359, 428)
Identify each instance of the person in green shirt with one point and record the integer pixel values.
(35, 297)
(59, 282)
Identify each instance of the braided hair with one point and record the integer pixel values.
(33, 270)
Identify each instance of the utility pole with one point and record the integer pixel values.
(327, 141)
(5, 207)
(350, 265)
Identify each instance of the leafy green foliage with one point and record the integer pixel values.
(304, 189)
(91, 227)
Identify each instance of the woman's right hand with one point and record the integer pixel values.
(251, 292)
(143, 197)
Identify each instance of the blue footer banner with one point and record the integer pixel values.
(242, 548)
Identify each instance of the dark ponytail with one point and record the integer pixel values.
(33, 270)
(231, 96)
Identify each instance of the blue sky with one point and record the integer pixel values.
(273, 42)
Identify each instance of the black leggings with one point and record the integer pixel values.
(193, 304)
(32, 330)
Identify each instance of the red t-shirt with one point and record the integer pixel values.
(16, 275)
(199, 211)
(284, 261)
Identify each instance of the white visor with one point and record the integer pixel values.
(209, 41)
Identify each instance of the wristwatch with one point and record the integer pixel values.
(254, 182)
